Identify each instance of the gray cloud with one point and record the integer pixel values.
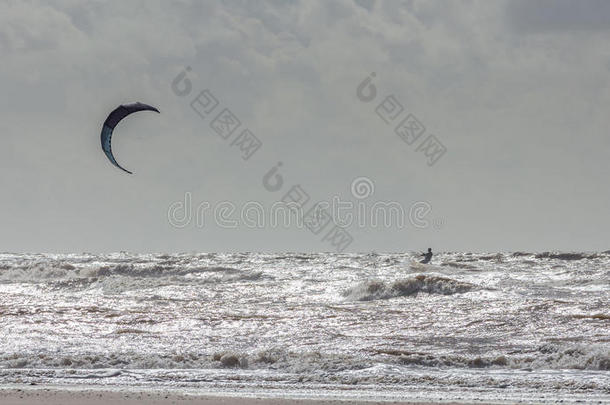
(559, 15)
(523, 118)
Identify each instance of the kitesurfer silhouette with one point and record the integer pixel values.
(428, 256)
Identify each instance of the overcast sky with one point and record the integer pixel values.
(517, 92)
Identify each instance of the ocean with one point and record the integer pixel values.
(516, 326)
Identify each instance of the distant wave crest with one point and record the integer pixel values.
(78, 275)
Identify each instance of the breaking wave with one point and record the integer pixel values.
(549, 356)
(545, 357)
(378, 290)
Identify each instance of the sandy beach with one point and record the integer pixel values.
(80, 396)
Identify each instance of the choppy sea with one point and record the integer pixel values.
(518, 326)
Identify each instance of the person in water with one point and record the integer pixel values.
(428, 256)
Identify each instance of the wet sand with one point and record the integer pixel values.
(93, 396)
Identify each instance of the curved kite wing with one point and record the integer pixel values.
(113, 119)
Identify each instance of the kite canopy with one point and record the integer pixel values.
(113, 119)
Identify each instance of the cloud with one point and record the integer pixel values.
(558, 15)
(523, 117)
